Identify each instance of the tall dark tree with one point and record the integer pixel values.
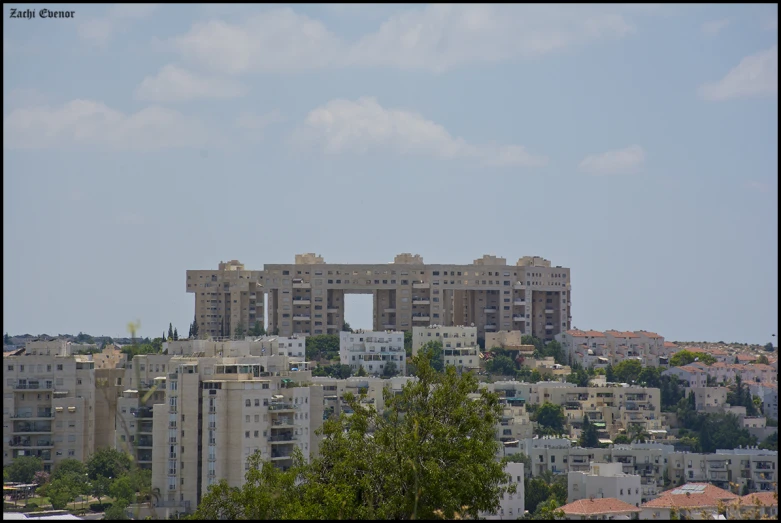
(589, 437)
(610, 376)
(176, 335)
(195, 327)
(170, 331)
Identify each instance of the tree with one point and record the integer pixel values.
(361, 371)
(122, 488)
(117, 511)
(556, 351)
(501, 364)
(628, 371)
(407, 469)
(257, 329)
(763, 359)
(650, 377)
(622, 439)
(346, 327)
(408, 343)
(548, 510)
(433, 351)
(610, 376)
(41, 478)
(60, 492)
(100, 487)
(176, 335)
(589, 437)
(769, 347)
(108, 462)
(550, 419)
(390, 370)
(195, 327)
(240, 330)
(7, 339)
(325, 346)
(23, 469)
(170, 332)
(771, 442)
(579, 377)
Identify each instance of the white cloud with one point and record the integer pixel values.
(89, 123)
(174, 84)
(714, 27)
(99, 30)
(755, 75)
(621, 161)
(436, 38)
(342, 126)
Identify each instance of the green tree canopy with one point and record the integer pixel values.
(390, 370)
(589, 437)
(69, 467)
(23, 469)
(108, 462)
(324, 346)
(433, 352)
(408, 343)
(550, 419)
(501, 364)
(627, 371)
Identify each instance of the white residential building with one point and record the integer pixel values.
(604, 480)
(511, 506)
(451, 337)
(373, 350)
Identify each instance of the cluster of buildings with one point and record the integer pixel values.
(195, 413)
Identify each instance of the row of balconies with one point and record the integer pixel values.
(30, 415)
(34, 385)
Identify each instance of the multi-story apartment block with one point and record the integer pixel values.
(604, 480)
(49, 404)
(752, 468)
(612, 408)
(307, 297)
(597, 349)
(451, 336)
(245, 404)
(334, 391)
(373, 350)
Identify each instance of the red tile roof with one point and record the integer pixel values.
(698, 495)
(648, 334)
(597, 506)
(767, 499)
(670, 344)
(747, 357)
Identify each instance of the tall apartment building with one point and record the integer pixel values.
(373, 350)
(451, 336)
(307, 297)
(597, 349)
(195, 414)
(49, 404)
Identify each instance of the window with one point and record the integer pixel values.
(246, 434)
(247, 403)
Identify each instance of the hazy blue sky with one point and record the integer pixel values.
(637, 145)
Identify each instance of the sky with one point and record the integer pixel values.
(635, 144)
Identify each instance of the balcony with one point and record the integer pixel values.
(301, 284)
(548, 326)
(519, 302)
(489, 310)
(301, 317)
(282, 438)
(518, 286)
(419, 285)
(389, 326)
(390, 309)
(420, 301)
(548, 311)
(29, 443)
(281, 405)
(419, 317)
(30, 415)
(332, 309)
(518, 318)
(34, 385)
(490, 326)
(301, 301)
(33, 428)
(281, 455)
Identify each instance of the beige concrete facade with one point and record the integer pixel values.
(307, 297)
(451, 337)
(49, 404)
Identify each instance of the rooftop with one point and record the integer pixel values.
(691, 495)
(598, 506)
